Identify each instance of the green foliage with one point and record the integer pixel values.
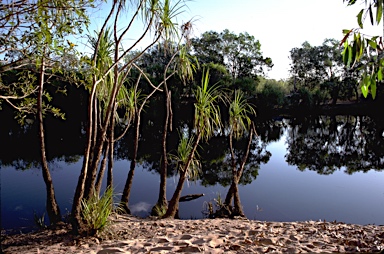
(158, 210)
(32, 31)
(207, 112)
(361, 45)
(320, 69)
(273, 93)
(180, 159)
(241, 54)
(239, 114)
(96, 210)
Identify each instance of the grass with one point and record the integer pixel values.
(39, 220)
(96, 211)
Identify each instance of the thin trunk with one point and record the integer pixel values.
(174, 202)
(237, 207)
(128, 184)
(233, 191)
(92, 171)
(111, 150)
(229, 197)
(52, 207)
(102, 170)
(162, 200)
(77, 224)
(173, 205)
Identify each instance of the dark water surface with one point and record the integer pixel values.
(314, 168)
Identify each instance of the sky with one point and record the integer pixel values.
(279, 25)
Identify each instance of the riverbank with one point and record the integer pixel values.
(128, 234)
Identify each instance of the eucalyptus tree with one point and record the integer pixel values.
(240, 123)
(240, 54)
(319, 71)
(29, 29)
(33, 40)
(361, 44)
(153, 15)
(207, 120)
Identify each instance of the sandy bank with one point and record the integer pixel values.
(128, 234)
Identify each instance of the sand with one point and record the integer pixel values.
(128, 234)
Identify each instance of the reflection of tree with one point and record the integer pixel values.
(64, 142)
(327, 143)
(217, 160)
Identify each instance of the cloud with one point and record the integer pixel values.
(18, 208)
(140, 207)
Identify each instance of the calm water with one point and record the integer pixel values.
(319, 168)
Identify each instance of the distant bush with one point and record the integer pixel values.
(271, 94)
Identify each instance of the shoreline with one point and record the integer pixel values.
(129, 234)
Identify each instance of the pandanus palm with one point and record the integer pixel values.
(104, 59)
(239, 124)
(185, 66)
(206, 121)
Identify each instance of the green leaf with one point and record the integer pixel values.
(365, 82)
(346, 31)
(380, 74)
(359, 18)
(350, 55)
(364, 90)
(379, 11)
(345, 53)
(372, 43)
(351, 2)
(373, 86)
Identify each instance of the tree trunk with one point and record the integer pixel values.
(237, 207)
(103, 166)
(229, 197)
(162, 200)
(173, 205)
(76, 221)
(52, 207)
(128, 184)
(111, 154)
(233, 191)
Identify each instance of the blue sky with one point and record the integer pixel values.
(279, 25)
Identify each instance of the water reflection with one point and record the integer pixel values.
(323, 144)
(327, 143)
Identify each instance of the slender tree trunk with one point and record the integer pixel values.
(238, 209)
(229, 196)
(103, 166)
(92, 171)
(128, 184)
(111, 154)
(162, 200)
(52, 207)
(174, 202)
(233, 191)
